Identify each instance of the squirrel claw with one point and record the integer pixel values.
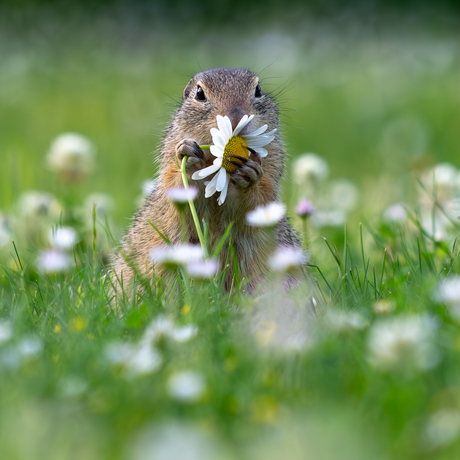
(235, 163)
(244, 160)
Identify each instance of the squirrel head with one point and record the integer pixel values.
(227, 92)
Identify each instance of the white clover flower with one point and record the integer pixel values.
(63, 238)
(36, 204)
(164, 327)
(135, 359)
(71, 156)
(228, 142)
(187, 386)
(329, 218)
(448, 292)
(182, 195)
(343, 194)
(205, 269)
(403, 342)
(442, 428)
(178, 255)
(30, 347)
(148, 186)
(53, 261)
(395, 213)
(6, 331)
(345, 321)
(266, 216)
(308, 167)
(287, 258)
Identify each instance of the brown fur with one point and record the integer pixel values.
(228, 92)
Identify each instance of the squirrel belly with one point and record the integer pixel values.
(226, 92)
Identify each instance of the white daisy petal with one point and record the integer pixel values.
(218, 138)
(211, 188)
(218, 161)
(223, 194)
(259, 131)
(205, 172)
(261, 151)
(225, 126)
(243, 122)
(258, 142)
(221, 179)
(217, 151)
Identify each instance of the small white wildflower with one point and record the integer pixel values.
(308, 167)
(182, 195)
(63, 238)
(443, 174)
(165, 327)
(53, 261)
(329, 218)
(384, 306)
(343, 194)
(404, 342)
(345, 321)
(72, 386)
(36, 204)
(204, 269)
(6, 331)
(71, 156)
(442, 428)
(287, 258)
(30, 347)
(448, 292)
(395, 213)
(188, 386)
(178, 255)
(148, 186)
(266, 216)
(135, 359)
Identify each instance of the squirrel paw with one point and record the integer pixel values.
(248, 172)
(189, 148)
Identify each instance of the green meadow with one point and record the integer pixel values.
(361, 361)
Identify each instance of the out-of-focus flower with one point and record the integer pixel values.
(5, 233)
(6, 331)
(403, 343)
(103, 201)
(309, 167)
(178, 255)
(148, 186)
(176, 441)
(343, 194)
(182, 195)
(443, 175)
(329, 218)
(287, 258)
(441, 428)
(395, 213)
(205, 269)
(71, 156)
(72, 386)
(135, 359)
(53, 261)
(305, 208)
(448, 292)
(266, 216)
(30, 347)
(345, 321)
(36, 204)
(188, 386)
(384, 306)
(63, 238)
(164, 327)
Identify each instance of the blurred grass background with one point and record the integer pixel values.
(374, 89)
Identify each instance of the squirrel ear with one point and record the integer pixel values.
(187, 90)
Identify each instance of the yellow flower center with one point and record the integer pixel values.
(235, 146)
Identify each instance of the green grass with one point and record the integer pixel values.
(381, 110)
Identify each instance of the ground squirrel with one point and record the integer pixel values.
(226, 92)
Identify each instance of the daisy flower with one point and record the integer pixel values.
(227, 146)
(266, 216)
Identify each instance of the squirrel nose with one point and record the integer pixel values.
(235, 116)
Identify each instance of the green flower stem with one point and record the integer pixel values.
(192, 208)
(205, 147)
(305, 232)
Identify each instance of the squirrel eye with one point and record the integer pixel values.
(258, 92)
(200, 96)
